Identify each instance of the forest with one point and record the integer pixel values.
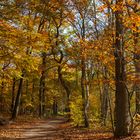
(76, 62)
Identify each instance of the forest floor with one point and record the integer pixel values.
(53, 129)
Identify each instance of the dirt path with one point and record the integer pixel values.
(43, 131)
(54, 129)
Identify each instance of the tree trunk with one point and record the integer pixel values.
(42, 87)
(13, 94)
(27, 87)
(32, 96)
(18, 98)
(33, 90)
(55, 108)
(2, 97)
(137, 70)
(104, 103)
(41, 95)
(104, 98)
(84, 94)
(122, 116)
(65, 86)
(60, 76)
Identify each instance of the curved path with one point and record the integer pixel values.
(46, 130)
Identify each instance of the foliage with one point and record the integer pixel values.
(65, 52)
(76, 110)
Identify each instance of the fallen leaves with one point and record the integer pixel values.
(62, 131)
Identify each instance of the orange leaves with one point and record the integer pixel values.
(4, 26)
(132, 22)
(82, 48)
(85, 46)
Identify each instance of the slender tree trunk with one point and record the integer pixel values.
(2, 97)
(84, 94)
(67, 89)
(104, 103)
(27, 87)
(84, 85)
(55, 107)
(41, 95)
(18, 98)
(137, 70)
(104, 98)
(44, 97)
(111, 113)
(122, 116)
(76, 77)
(42, 87)
(137, 84)
(33, 97)
(32, 93)
(87, 105)
(13, 94)
(65, 86)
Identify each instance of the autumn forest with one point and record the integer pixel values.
(73, 61)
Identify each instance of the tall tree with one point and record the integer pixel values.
(42, 86)
(136, 57)
(122, 115)
(18, 98)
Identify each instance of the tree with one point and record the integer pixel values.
(42, 86)
(70, 57)
(18, 98)
(122, 115)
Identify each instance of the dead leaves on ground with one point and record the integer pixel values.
(16, 129)
(64, 132)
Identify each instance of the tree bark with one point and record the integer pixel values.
(84, 93)
(2, 97)
(104, 98)
(104, 103)
(55, 107)
(42, 87)
(18, 98)
(137, 70)
(122, 116)
(13, 94)
(32, 93)
(65, 86)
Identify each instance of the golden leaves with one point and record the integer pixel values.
(132, 22)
